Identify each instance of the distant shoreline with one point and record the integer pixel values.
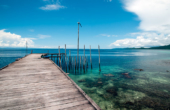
(167, 47)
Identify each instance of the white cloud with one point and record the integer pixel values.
(43, 36)
(155, 23)
(154, 14)
(107, 35)
(8, 39)
(52, 5)
(145, 39)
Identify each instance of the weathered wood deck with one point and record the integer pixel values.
(35, 83)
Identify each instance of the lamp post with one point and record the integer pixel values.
(78, 46)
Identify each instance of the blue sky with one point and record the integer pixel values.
(108, 23)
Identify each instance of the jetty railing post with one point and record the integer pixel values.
(87, 61)
(31, 51)
(90, 57)
(59, 56)
(85, 64)
(80, 62)
(75, 63)
(69, 59)
(72, 60)
(62, 60)
(99, 57)
(57, 59)
(84, 59)
(65, 59)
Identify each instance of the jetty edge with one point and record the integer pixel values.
(36, 83)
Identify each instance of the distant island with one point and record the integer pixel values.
(158, 47)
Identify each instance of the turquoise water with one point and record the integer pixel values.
(129, 79)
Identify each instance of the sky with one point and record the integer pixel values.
(108, 23)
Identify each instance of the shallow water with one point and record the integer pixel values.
(124, 87)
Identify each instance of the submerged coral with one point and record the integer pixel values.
(109, 75)
(126, 75)
(139, 69)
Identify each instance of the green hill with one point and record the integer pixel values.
(158, 47)
(161, 47)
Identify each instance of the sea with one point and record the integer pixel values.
(127, 79)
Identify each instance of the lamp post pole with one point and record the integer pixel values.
(78, 47)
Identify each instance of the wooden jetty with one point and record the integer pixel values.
(34, 83)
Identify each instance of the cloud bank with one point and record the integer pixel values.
(8, 39)
(145, 39)
(155, 23)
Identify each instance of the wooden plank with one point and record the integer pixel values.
(58, 107)
(47, 102)
(48, 83)
(57, 96)
(33, 77)
(81, 107)
(27, 82)
(20, 95)
(31, 90)
(36, 83)
(56, 104)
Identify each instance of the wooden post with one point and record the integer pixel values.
(84, 64)
(80, 62)
(59, 56)
(84, 59)
(90, 57)
(57, 59)
(78, 44)
(31, 51)
(99, 57)
(62, 59)
(65, 59)
(72, 63)
(75, 63)
(87, 61)
(69, 59)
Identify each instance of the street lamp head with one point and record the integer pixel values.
(78, 22)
